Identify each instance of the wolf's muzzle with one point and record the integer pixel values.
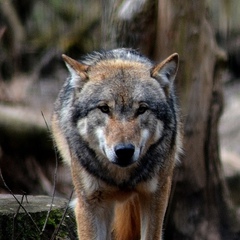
(124, 153)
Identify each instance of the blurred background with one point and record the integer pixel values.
(34, 34)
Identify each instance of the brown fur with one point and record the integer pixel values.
(127, 221)
(114, 201)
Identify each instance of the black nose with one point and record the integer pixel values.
(124, 153)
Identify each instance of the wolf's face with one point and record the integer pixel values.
(120, 106)
(120, 113)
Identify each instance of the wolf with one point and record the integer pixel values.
(117, 124)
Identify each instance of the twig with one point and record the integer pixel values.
(20, 204)
(15, 216)
(54, 180)
(55, 233)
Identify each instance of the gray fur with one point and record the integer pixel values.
(72, 106)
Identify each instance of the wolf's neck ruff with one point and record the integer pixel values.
(116, 121)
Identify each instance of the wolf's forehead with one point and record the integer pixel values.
(122, 81)
(119, 68)
(124, 90)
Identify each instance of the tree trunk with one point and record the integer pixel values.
(199, 206)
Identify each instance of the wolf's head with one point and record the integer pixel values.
(122, 103)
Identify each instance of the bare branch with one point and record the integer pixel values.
(20, 204)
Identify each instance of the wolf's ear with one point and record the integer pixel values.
(77, 70)
(165, 72)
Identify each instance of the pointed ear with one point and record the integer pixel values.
(77, 70)
(165, 72)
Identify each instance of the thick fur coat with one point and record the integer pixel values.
(116, 123)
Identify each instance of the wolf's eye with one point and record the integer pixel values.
(142, 109)
(104, 108)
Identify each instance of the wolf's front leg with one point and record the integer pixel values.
(153, 207)
(93, 220)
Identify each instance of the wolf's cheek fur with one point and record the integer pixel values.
(88, 128)
(82, 127)
(158, 131)
(150, 136)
